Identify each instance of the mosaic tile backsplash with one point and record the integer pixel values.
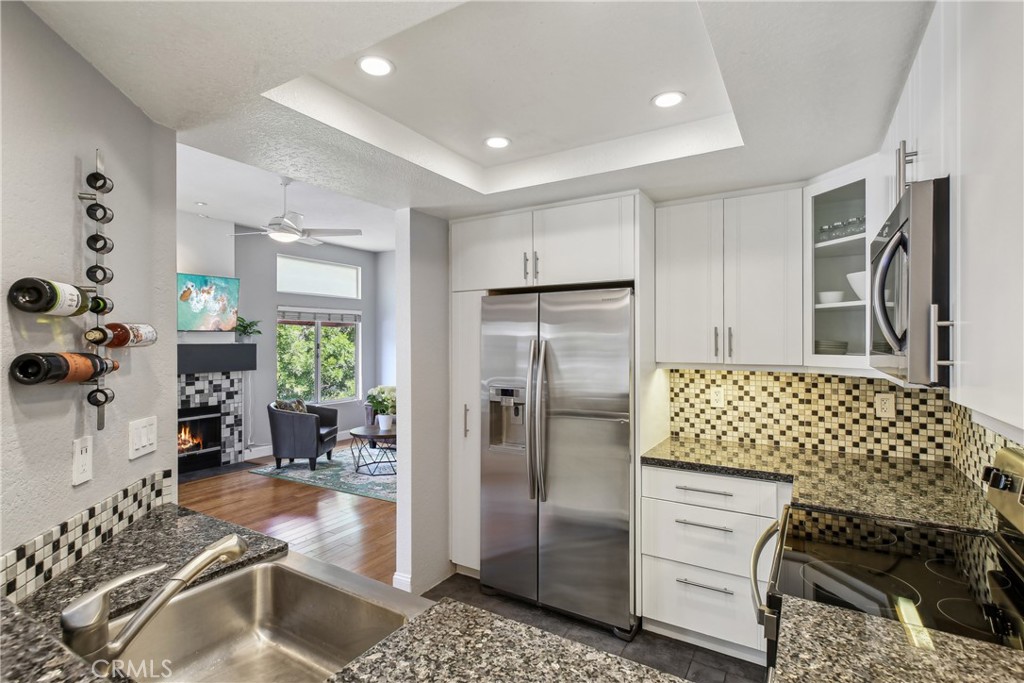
(37, 561)
(828, 413)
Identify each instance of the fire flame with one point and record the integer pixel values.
(186, 441)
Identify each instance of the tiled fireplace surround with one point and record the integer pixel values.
(819, 412)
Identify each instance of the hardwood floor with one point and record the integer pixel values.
(352, 532)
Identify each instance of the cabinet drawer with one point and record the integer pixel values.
(737, 494)
(709, 538)
(719, 607)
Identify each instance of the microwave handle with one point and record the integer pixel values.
(898, 240)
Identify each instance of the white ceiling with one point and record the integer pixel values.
(812, 86)
(549, 76)
(249, 196)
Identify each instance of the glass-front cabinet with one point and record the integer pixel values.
(841, 214)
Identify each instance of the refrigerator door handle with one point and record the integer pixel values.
(531, 471)
(540, 418)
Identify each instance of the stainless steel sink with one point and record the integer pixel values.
(295, 619)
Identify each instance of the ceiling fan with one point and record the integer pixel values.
(288, 226)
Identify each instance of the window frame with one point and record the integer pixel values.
(357, 269)
(357, 357)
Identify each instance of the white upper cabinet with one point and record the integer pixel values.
(688, 282)
(763, 279)
(588, 242)
(591, 241)
(729, 281)
(492, 253)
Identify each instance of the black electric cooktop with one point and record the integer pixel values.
(949, 581)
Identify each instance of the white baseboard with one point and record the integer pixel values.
(402, 582)
(724, 647)
(467, 571)
(257, 452)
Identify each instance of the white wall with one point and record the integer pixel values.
(56, 110)
(387, 290)
(205, 247)
(421, 266)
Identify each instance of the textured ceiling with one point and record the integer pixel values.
(550, 76)
(246, 195)
(812, 87)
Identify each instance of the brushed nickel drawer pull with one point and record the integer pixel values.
(704, 526)
(705, 586)
(695, 490)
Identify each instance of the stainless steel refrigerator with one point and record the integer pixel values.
(556, 450)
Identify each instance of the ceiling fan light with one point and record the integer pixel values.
(283, 236)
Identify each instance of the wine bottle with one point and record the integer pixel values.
(101, 244)
(99, 213)
(101, 305)
(36, 295)
(101, 275)
(38, 368)
(122, 334)
(100, 397)
(99, 182)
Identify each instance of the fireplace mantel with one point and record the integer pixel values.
(196, 358)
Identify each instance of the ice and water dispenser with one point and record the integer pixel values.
(508, 417)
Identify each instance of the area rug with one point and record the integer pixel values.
(338, 475)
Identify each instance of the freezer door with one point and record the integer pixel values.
(508, 505)
(583, 453)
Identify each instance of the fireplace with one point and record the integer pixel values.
(199, 439)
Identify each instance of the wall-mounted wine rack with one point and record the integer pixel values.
(99, 217)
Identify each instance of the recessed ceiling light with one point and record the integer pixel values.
(375, 66)
(668, 99)
(497, 142)
(200, 203)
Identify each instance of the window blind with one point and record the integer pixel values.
(323, 315)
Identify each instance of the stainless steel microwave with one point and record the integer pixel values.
(910, 307)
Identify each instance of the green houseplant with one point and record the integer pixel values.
(247, 328)
(384, 403)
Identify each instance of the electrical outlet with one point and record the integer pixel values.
(81, 460)
(885, 405)
(141, 437)
(717, 397)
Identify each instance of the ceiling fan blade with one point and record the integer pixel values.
(308, 240)
(331, 232)
(247, 234)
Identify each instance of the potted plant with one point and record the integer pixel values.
(247, 328)
(383, 401)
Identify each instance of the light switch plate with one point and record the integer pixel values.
(141, 437)
(81, 460)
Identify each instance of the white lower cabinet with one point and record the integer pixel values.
(705, 601)
(697, 533)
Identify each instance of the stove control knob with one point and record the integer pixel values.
(1000, 481)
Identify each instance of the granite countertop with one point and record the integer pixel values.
(32, 650)
(822, 643)
(453, 641)
(894, 488)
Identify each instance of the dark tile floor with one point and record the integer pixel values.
(671, 656)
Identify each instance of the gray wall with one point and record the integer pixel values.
(387, 290)
(57, 110)
(205, 247)
(256, 267)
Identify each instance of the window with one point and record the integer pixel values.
(318, 356)
(319, 278)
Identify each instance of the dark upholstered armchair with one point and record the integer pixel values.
(303, 435)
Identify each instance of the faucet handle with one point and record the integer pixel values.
(84, 620)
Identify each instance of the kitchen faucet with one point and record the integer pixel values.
(86, 620)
